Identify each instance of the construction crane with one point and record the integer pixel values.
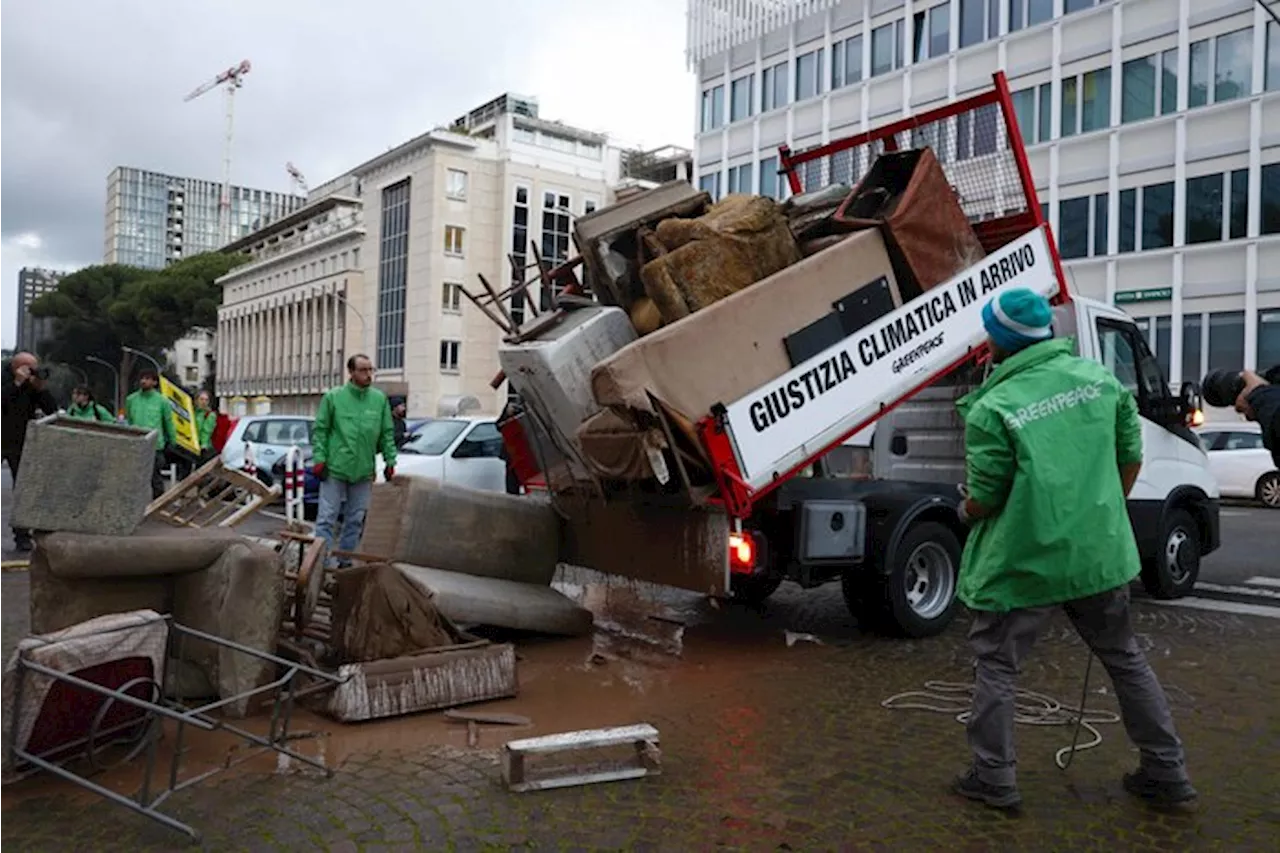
(298, 180)
(233, 78)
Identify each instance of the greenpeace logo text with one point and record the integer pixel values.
(918, 353)
(1053, 405)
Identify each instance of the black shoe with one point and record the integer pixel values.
(971, 787)
(1158, 791)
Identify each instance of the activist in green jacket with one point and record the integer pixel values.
(353, 424)
(148, 408)
(206, 421)
(85, 408)
(1045, 438)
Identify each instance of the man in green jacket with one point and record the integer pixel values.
(1053, 444)
(353, 424)
(85, 408)
(147, 408)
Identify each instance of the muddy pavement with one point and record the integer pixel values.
(765, 747)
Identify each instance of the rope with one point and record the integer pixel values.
(1030, 708)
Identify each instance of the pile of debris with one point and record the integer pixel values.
(696, 304)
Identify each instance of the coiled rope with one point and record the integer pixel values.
(1030, 708)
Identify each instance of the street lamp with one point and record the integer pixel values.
(139, 352)
(115, 373)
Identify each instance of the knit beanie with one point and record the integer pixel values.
(1018, 318)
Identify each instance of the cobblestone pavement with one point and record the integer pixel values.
(765, 747)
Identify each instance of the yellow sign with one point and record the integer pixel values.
(183, 414)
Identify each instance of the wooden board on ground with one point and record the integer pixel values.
(640, 742)
(491, 717)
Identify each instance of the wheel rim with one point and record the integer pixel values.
(1176, 555)
(930, 580)
(1269, 492)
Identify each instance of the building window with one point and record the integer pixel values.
(769, 177)
(1268, 339)
(1069, 6)
(979, 21)
(1100, 203)
(519, 251)
(846, 62)
(453, 235)
(449, 353)
(1228, 59)
(808, 74)
(455, 184)
(740, 179)
(710, 184)
(712, 108)
(1086, 102)
(931, 33)
(1029, 13)
(1128, 220)
(1191, 348)
(1034, 110)
(393, 270)
(1204, 209)
(1073, 227)
(1157, 216)
(886, 48)
(555, 228)
(452, 298)
(1272, 69)
(773, 87)
(1163, 345)
(976, 134)
(741, 97)
(1270, 194)
(1226, 341)
(1238, 224)
(1149, 86)
(589, 205)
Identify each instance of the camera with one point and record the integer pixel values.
(41, 373)
(1221, 387)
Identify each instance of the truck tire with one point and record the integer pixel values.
(916, 595)
(755, 589)
(1172, 571)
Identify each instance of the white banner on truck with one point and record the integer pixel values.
(785, 422)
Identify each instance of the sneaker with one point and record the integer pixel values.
(971, 787)
(1158, 791)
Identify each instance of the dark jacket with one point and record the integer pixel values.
(399, 431)
(22, 404)
(1265, 401)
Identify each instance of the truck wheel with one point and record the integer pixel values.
(1268, 490)
(1173, 570)
(754, 589)
(916, 597)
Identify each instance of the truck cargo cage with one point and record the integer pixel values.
(979, 147)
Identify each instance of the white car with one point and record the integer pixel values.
(1242, 466)
(464, 451)
(270, 436)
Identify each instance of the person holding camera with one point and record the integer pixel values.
(25, 399)
(1257, 397)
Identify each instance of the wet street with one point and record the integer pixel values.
(765, 745)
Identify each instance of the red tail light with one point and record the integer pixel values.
(742, 553)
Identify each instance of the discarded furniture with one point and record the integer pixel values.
(71, 689)
(640, 742)
(214, 581)
(83, 477)
(212, 496)
(470, 600)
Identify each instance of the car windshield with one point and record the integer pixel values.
(434, 438)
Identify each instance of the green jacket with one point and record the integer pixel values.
(1045, 437)
(352, 425)
(205, 424)
(91, 412)
(150, 410)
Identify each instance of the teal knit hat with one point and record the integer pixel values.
(1018, 318)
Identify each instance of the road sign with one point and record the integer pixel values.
(1150, 294)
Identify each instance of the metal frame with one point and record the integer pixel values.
(282, 692)
(736, 496)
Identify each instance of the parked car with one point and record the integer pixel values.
(466, 451)
(270, 436)
(1242, 466)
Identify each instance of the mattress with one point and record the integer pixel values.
(110, 650)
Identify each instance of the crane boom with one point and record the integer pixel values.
(233, 77)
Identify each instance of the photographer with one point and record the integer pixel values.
(1259, 400)
(25, 400)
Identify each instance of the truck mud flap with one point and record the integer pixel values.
(675, 546)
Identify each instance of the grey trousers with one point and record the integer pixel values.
(1002, 641)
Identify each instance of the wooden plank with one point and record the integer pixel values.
(487, 717)
(586, 739)
(582, 779)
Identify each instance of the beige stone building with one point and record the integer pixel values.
(419, 222)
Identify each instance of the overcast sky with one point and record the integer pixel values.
(87, 85)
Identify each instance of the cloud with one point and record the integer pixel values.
(88, 86)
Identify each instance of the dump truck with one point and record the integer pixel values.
(720, 444)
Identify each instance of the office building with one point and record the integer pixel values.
(153, 219)
(33, 282)
(407, 231)
(1152, 126)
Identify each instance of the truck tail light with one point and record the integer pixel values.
(742, 553)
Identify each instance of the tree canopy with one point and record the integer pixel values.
(102, 308)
